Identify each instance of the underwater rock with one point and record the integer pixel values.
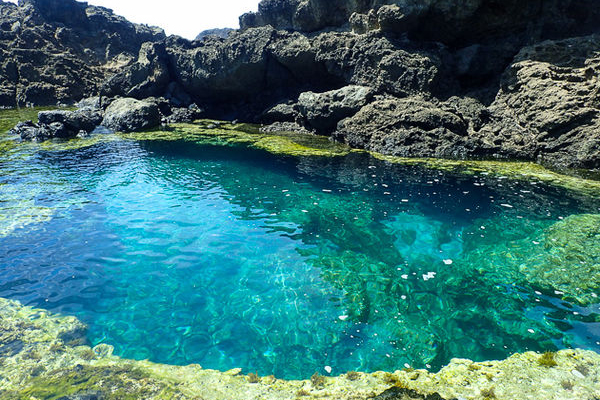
(562, 258)
(130, 115)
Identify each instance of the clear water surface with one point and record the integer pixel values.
(229, 257)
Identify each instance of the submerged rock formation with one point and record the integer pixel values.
(510, 79)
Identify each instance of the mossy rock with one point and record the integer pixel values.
(105, 382)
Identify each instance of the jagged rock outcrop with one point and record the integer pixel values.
(322, 111)
(548, 106)
(60, 51)
(483, 78)
(445, 21)
(411, 126)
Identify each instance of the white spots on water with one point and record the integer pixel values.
(428, 276)
(558, 292)
(506, 205)
(343, 317)
(327, 190)
(404, 276)
(538, 292)
(530, 330)
(406, 365)
(328, 369)
(405, 200)
(403, 297)
(535, 242)
(447, 262)
(304, 211)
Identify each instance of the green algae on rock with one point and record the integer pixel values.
(44, 356)
(219, 133)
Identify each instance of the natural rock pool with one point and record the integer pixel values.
(200, 246)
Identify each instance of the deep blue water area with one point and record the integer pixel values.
(234, 257)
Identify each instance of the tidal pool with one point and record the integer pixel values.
(225, 255)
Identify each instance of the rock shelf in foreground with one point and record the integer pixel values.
(46, 356)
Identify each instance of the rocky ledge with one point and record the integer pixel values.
(46, 356)
(507, 79)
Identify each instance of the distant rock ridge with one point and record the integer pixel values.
(484, 78)
(218, 32)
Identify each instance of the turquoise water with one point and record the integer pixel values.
(232, 257)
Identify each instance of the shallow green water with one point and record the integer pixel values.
(229, 256)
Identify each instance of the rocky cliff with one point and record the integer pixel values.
(60, 51)
(428, 78)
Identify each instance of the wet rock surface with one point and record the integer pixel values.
(521, 78)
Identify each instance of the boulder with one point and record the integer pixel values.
(411, 127)
(322, 111)
(84, 119)
(184, 114)
(130, 115)
(284, 112)
(59, 124)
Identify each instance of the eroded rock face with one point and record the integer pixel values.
(322, 111)
(443, 21)
(61, 50)
(411, 127)
(549, 105)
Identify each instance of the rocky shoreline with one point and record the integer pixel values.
(487, 79)
(46, 356)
